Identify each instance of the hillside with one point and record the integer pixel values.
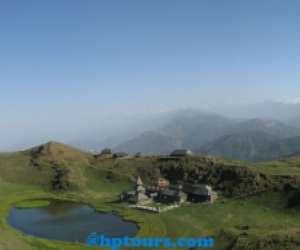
(253, 146)
(249, 196)
(46, 165)
(59, 167)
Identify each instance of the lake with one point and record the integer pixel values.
(68, 221)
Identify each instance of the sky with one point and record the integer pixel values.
(71, 66)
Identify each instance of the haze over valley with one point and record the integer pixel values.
(251, 132)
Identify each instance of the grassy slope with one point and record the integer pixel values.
(286, 167)
(32, 204)
(99, 182)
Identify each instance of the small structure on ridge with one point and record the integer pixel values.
(181, 153)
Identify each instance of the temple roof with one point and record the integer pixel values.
(139, 181)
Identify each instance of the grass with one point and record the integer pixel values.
(194, 219)
(286, 167)
(99, 183)
(32, 204)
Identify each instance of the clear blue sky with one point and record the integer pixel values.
(67, 61)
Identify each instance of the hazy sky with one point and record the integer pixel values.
(70, 65)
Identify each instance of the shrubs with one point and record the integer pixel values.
(231, 180)
(60, 181)
(292, 196)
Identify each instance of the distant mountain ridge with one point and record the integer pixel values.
(271, 127)
(253, 146)
(150, 142)
(251, 139)
(186, 128)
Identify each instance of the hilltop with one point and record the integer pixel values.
(55, 151)
(45, 165)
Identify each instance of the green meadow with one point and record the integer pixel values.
(260, 221)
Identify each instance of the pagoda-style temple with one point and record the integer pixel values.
(138, 195)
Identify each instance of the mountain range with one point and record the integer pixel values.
(254, 139)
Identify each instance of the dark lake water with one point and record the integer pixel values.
(67, 221)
